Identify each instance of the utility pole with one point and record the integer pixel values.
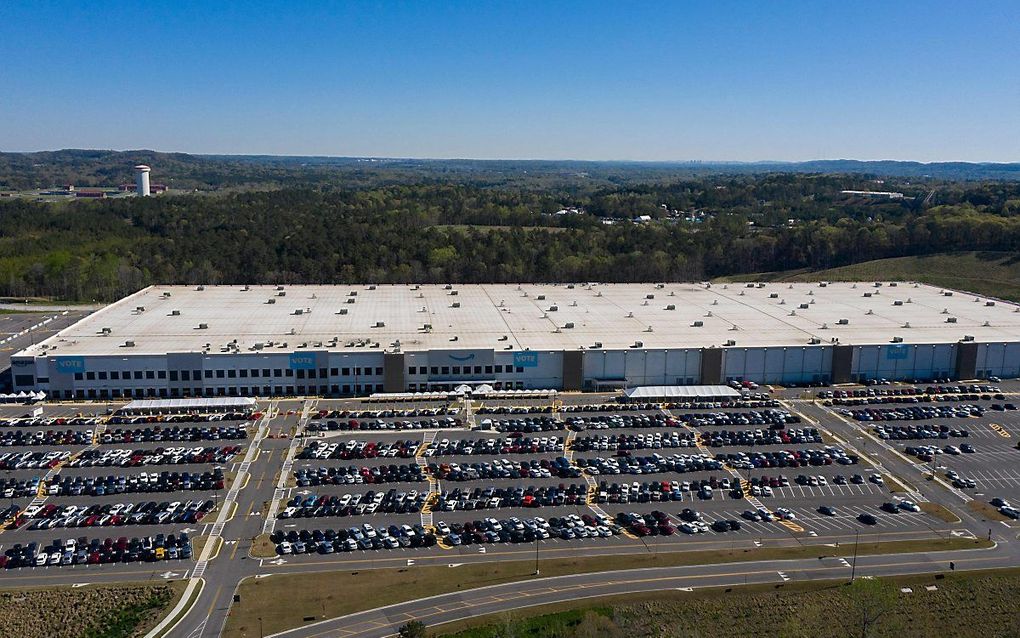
(536, 555)
(853, 565)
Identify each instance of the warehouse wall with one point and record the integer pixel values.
(904, 361)
(998, 359)
(798, 364)
(643, 367)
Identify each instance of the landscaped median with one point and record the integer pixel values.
(124, 609)
(284, 601)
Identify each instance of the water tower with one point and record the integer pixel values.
(142, 180)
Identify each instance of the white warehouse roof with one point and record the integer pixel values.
(354, 318)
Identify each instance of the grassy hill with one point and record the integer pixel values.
(995, 274)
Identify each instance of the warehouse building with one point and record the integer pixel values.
(185, 341)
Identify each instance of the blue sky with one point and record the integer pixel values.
(712, 80)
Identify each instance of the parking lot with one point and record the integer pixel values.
(109, 489)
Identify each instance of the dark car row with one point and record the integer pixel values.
(367, 536)
(355, 424)
(628, 442)
(505, 469)
(491, 447)
(143, 482)
(654, 464)
(526, 425)
(21, 438)
(146, 435)
(788, 458)
(386, 413)
(916, 413)
(18, 488)
(492, 497)
(352, 475)
(911, 432)
(796, 436)
(83, 551)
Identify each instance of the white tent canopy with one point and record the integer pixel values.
(196, 404)
(674, 392)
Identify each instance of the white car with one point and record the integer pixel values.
(910, 506)
(785, 514)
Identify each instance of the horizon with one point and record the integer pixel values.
(723, 82)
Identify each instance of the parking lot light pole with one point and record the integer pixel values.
(853, 565)
(536, 555)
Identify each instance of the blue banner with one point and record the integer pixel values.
(896, 352)
(70, 365)
(526, 359)
(302, 361)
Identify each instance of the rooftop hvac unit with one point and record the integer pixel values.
(299, 311)
(989, 303)
(570, 286)
(897, 303)
(814, 341)
(246, 288)
(350, 300)
(140, 308)
(279, 287)
(947, 293)
(448, 287)
(504, 338)
(648, 329)
(803, 306)
(671, 307)
(553, 308)
(761, 285)
(292, 331)
(175, 313)
(129, 344)
(649, 296)
(773, 295)
(892, 284)
(166, 294)
(372, 287)
(282, 293)
(906, 324)
(878, 284)
(597, 344)
(454, 338)
(730, 342)
(203, 326)
(638, 344)
(573, 304)
(870, 312)
(987, 324)
(950, 319)
(968, 337)
(540, 297)
(380, 324)
(427, 327)
(454, 292)
(867, 294)
(455, 304)
(200, 288)
(748, 285)
(271, 301)
(342, 311)
(897, 339)
(823, 284)
(416, 287)
(569, 325)
(698, 324)
(106, 331)
(660, 286)
(843, 322)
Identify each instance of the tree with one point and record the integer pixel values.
(413, 629)
(871, 604)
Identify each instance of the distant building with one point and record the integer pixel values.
(91, 194)
(874, 194)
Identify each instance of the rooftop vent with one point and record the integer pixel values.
(892, 284)
(730, 342)
(504, 338)
(246, 288)
(454, 338)
(129, 344)
(906, 324)
(342, 311)
(843, 322)
(649, 296)
(455, 304)
(947, 293)
(870, 312)
(950, 319)
(270, 301)
(454, 293)
(897, 339)
(202, 326)
(823, 284)
(638, 344)
(814, 341)
(671, 307)
(773, 295)
(987, 324)
(968, 337)
(553, 308)
(803, 306)
(867, 294)
(175, 313)
(597, 344)
(139, 308)
(540, 297)
(106, 331)
(279, 287)
(282, 293)
(569, 325)
(200, 288)
(698, 324)
(298, 311)
(380, 324)
(660, 286)
(570, 286)
(989, 303)
(166, 294)
(350, 300)
(427, 327)
(448, 287)
(897, 303)
(372, 287)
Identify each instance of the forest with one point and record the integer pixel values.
(438, 231)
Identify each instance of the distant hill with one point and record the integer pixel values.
(46, 169)
(993, 274)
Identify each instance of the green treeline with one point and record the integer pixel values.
(437, 232)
